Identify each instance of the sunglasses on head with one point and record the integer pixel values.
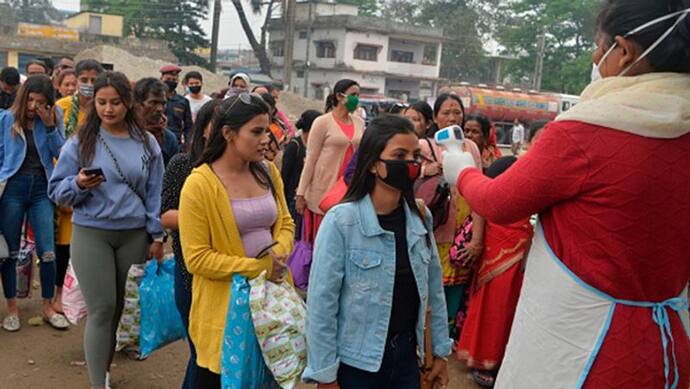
(245, 98)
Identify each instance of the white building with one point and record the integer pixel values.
(386, 58)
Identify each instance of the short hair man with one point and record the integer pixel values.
(194, 82)
(150, 100)
(9, 84)
(74, 107)
(35, 66)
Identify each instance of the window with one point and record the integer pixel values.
(402, 56)
(325, 49)
(367, 52)
(302, 35)
(278, 48)
(300, 74)
(95, 23)
(430, 55)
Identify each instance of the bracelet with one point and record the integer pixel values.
(445, 359)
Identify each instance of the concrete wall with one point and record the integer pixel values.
(111, 25)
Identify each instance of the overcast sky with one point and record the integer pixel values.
(231, 33)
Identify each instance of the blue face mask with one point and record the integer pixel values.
(596, 73)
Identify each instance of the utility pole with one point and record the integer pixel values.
(307, 63)
(214, 34)
(539, 65)
(289, 17)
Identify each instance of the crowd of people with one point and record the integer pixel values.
(418, 251)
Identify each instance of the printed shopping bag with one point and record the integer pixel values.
(25, 267)
(73, 304)
(242, 365)
(161, 323)
(279, 315)
(127, 334)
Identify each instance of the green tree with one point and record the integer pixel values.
(175, 21)
(31, 11)
(366, 7)
(569, 28)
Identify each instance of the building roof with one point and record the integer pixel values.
(72, 15)
(366, 24)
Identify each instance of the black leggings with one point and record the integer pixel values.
(62, 260)
(206, 379)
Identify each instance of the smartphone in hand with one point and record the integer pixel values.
(95, 172)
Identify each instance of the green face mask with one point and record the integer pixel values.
(351, 102)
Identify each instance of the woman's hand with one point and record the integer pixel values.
(471, 253)
(279, 268)
(86, 182)
(47, 115)
(156, 251)
(300, 204)
(439, 374)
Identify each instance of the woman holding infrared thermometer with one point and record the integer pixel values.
(604, 300)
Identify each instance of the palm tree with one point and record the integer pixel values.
(259, 47)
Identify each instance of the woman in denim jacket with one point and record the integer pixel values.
(375, 271)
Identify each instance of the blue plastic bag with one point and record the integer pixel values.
(161, 323)
(242, 365)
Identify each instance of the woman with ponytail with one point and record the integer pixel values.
(332, 141)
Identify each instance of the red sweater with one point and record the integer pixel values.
(615, 208)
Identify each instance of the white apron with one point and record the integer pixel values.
(561, 322)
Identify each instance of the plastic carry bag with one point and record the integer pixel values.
(161, 323)
(279, 316)
(25, 267)
(299, 261)
(242, 365)
(127, 334)
(73, 304)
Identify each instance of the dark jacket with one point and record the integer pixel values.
(179, 115)
(293, 162)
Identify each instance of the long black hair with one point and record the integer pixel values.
(439, 103)
(618, 17)
(203, 118)
(307, 119)
(235, 113)
(425, 110)
(484, 123)
(380, 131)
(88, 132)
(340, 87)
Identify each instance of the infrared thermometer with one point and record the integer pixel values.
(451, 138)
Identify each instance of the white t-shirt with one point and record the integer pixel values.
(518, 133)
(197, 104)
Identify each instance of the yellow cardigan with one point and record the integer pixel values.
(213, 252)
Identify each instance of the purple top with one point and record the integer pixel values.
(254, 217)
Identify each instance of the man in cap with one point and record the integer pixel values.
(178, 110)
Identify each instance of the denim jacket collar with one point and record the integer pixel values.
(369, 221)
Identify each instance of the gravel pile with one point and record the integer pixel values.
(139, 67)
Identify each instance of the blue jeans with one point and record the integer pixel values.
(27, 195)
(183, 300)
(398, 370)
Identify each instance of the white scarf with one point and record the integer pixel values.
(654, 105)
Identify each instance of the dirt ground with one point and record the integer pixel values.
(41, 357)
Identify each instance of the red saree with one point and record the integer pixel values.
(494, 295)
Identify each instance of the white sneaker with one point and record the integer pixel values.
(11, 323)
(107, 380)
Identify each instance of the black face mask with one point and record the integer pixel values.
(172, 85)
(195, 89)
(401, 174)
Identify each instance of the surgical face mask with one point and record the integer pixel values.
(351, 102)
(86, 90)
(401, 174)
(681, 16)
